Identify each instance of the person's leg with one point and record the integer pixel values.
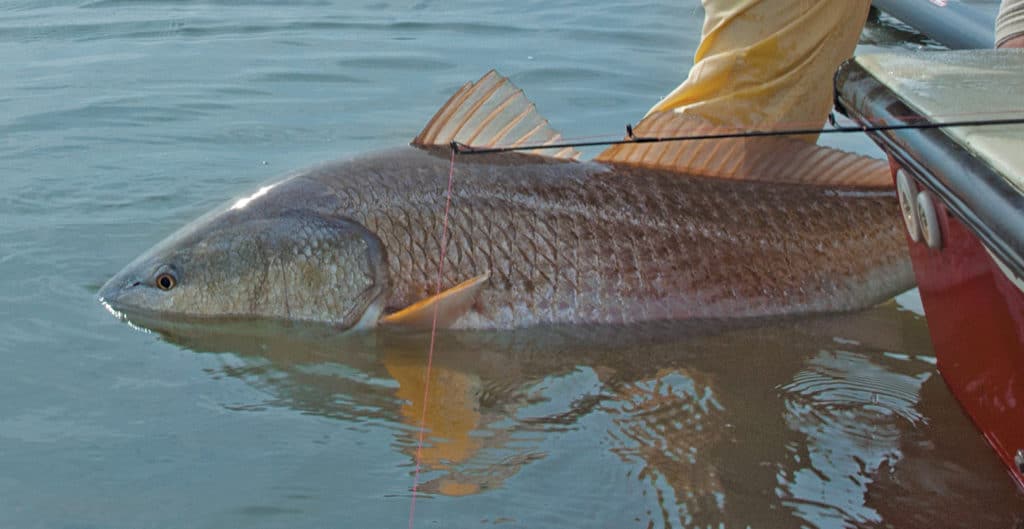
(768, 62)
(761, 64)
(1010, 24)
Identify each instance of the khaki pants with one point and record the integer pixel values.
(768, 63)
(1010, 22)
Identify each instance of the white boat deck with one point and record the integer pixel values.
(964, 85)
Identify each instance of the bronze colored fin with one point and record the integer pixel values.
(451, 304)
(491, 112)
(773, 159)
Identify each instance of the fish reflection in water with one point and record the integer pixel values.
(829, 422)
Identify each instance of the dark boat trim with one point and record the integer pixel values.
(986, 202)
(959, 25)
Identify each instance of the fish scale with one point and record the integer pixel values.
(753, 248)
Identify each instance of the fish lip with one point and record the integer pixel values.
(110, 298)
(112, 292)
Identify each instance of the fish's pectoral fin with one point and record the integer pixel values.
(492, 112)
(771, 159)
(450, 306)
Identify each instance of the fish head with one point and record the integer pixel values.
(239, 264)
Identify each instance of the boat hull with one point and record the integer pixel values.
(976, 321)
(961, 196)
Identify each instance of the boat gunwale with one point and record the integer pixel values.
(985, 201)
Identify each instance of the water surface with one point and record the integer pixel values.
(123, 119)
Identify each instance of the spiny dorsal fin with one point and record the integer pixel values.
(491, 112)
(773, 159)
(451, 305)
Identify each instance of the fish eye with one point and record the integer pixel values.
(165, 281)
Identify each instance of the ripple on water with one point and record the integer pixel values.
(308, 77)
(397, 62)
(566, 74)
(117, 112)
(228, 3)
(853, 412)
(830, 386)
(668, 426)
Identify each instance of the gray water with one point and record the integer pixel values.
(123, 119)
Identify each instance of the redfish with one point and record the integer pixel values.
(646, 232)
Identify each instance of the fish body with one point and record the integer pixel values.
(549, 241)
(563, 242)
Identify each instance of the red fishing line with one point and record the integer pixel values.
(433, 336)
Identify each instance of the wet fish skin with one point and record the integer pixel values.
(564, 242)
(266, 261)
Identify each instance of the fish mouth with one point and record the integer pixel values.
(115, 297)
(107, 296)
(113, 309)
(111, 296)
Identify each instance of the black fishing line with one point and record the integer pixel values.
(462, 148)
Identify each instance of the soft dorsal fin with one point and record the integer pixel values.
(451, 304)
(774, 159)
(492, 112)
